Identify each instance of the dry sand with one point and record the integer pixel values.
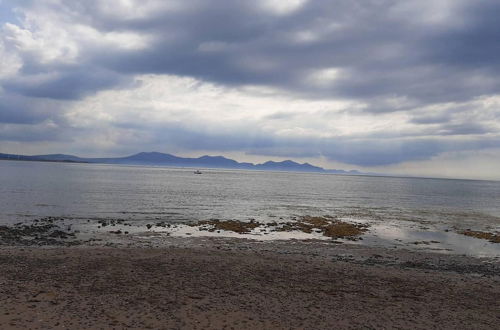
(237, 284)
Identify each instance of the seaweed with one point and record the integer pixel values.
(492, 237)
(228, 225)
(327, 225)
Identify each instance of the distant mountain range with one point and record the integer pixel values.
(161, 159)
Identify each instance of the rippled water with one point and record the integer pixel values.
(79, 192)
(87, 190)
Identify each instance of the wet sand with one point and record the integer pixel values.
(201, 283)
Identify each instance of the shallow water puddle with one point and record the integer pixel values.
(438, 240)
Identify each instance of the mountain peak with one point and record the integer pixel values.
(162, 159)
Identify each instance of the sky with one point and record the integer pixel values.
(406, 87)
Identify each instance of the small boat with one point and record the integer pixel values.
(197, 172)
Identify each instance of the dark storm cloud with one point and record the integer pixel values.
(379, 53)
(249, 37)
(15, 109)
(382, 52)
(475, 43)
(67, 84)
(12, 112)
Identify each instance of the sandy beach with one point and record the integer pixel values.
(210, 283)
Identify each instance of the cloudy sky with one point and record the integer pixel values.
(391, 86)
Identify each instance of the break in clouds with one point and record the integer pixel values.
(401, 86)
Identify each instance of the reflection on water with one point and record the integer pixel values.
(408, 209)
(429, 240)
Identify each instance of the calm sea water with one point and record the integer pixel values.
(87, 191)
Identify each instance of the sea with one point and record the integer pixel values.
(400, 210)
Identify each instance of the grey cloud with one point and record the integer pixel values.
(474, 44)
(465, 129)
(31, 133)
(431, 119)
(457, 120)
(179, 135)
(15, 109)
(11, 113)
(281, 115)
(380, 54)
(374, 151)
(357, 48)
(67, 84)
(383, 152)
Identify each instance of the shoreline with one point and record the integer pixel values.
(416, 235)
(217, 283)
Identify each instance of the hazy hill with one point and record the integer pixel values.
(161, 159)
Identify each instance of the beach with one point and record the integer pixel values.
(228, 283)
(85, 246)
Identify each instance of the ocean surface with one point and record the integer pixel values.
(82, 192)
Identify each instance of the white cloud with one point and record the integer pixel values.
(282, 7)
(46, 45)
(136, 9)
(324, 77)
(10, 63)
(52, 37)
(162, 98)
